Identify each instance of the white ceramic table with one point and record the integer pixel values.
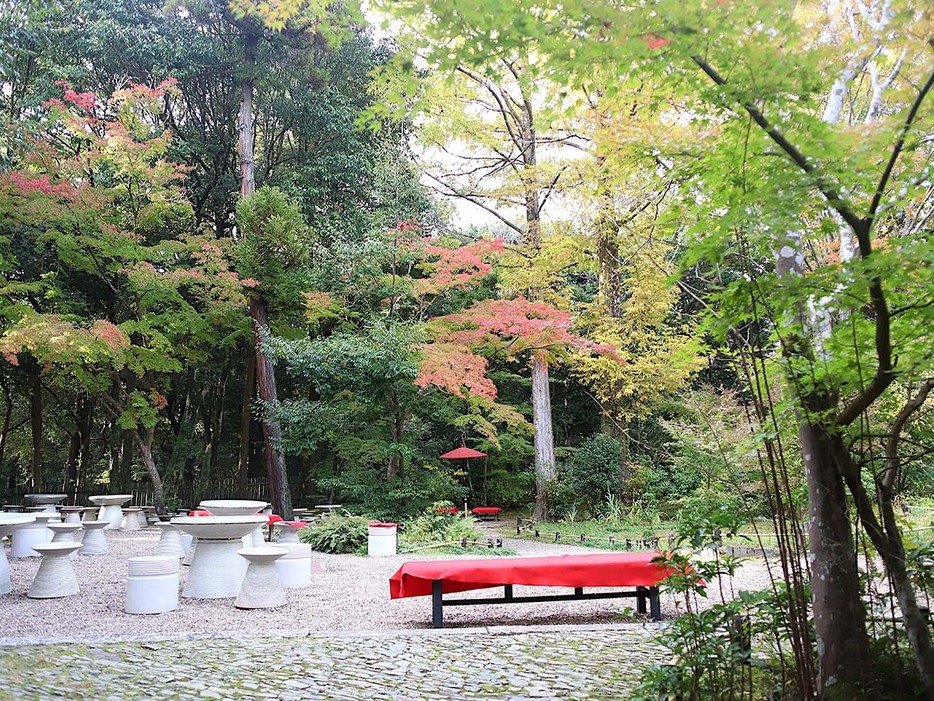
(328, 509)
(110, 508)
(8, 522)
(216, 568)
(238, 507)
(47, 501)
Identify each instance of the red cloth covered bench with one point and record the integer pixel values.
(486, 511)
(439, 577)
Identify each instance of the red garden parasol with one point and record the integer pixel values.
(465, 453)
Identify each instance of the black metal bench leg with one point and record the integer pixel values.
(437, 605)
(656, 604)
(640, 599)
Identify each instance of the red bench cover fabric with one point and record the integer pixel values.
(485, 510)
(601, 570)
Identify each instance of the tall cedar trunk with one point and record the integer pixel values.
(544, 438)
(143, 438)
(845, 661)
(246, 415)
(272, 435)
(35, 413)
(7, 422)
(70, 473)
(265, 376)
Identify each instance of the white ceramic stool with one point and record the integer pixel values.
(170, 542)
(261, 588)
(27, 535)
(71, 514)
(286, 532)
(66, 533)
(130, 518)
(56, 575)
(294, 567)
(152, 584)
(94, 542)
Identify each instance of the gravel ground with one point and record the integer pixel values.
(350, 594)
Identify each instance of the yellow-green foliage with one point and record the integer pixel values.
(658, 354)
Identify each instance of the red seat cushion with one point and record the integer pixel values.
(485, 510)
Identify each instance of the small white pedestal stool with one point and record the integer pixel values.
(8, 523)
(72, 514)
(261, 588)
(170, 542)
(287, 531)
(294, 567)
(56, 576)
(110, 508)
(66, 533)
(130, 518)
(152, 584)
(94, 542)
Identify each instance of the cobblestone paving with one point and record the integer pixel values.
(597, 664)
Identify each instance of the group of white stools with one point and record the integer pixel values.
(152, 581)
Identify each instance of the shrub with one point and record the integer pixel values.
(337, 534)
(435, 525)
(585, 480)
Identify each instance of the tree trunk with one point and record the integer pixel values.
(272, 434)
(143, 438)
(396, 466)
(544, 438)
(7, 421)
(844, 657)
(121, 481)
(35, 413)
(243, 456)
(265, 376)
(245, 126)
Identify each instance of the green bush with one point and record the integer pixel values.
(437, 526)
(337, 534)
(585, 480)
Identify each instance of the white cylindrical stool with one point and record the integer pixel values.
(294, 567)
(152, 584)
(27, 535)
(66, 533)
(9, 523)
(261, 588)
(94, 542)
(170, 542)
(381, 540)
(56, 575)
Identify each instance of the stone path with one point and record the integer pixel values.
(509, 664)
